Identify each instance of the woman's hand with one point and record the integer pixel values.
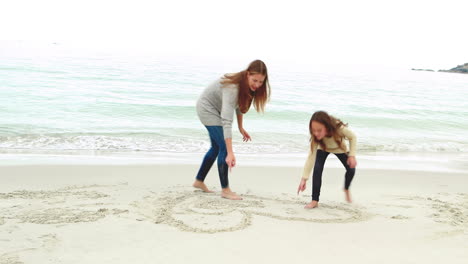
(351, 162)
(245, 135)
(302, 186)
(231, 160)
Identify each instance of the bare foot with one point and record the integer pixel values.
(228, 194)
(201, 185)
(347, 196)
(311, 205)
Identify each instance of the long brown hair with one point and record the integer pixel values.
(245, 97)
(332, 124)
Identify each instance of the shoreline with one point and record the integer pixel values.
(409, 161)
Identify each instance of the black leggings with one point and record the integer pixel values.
(318, 169)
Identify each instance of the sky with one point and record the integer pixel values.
(420, 34)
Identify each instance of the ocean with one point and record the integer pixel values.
(57, 104)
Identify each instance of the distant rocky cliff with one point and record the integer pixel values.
(459, 69)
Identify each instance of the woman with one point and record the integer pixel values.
(233, 92)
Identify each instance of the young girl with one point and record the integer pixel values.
(216, 106)
(327, 135)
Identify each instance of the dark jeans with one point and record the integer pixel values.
(218, 149)
(318, 169)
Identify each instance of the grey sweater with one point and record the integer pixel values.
(217, 104)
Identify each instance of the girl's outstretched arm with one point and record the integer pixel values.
(309, 164)
(302, 186)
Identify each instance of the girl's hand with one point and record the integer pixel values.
(245, 135)
(302, 186)
(351, 162)
(231, 161)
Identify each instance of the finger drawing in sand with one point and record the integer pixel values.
(327, 135)
(234, 92)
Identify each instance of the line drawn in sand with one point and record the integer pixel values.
(71, 204)
(194, 211)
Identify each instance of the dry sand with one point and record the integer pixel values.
(151, 214)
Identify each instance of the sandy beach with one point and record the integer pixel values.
(151, 214)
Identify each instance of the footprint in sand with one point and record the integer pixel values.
(207, 213)
(46, 242)
(49, 241)
(10, 258)
(448, 209)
